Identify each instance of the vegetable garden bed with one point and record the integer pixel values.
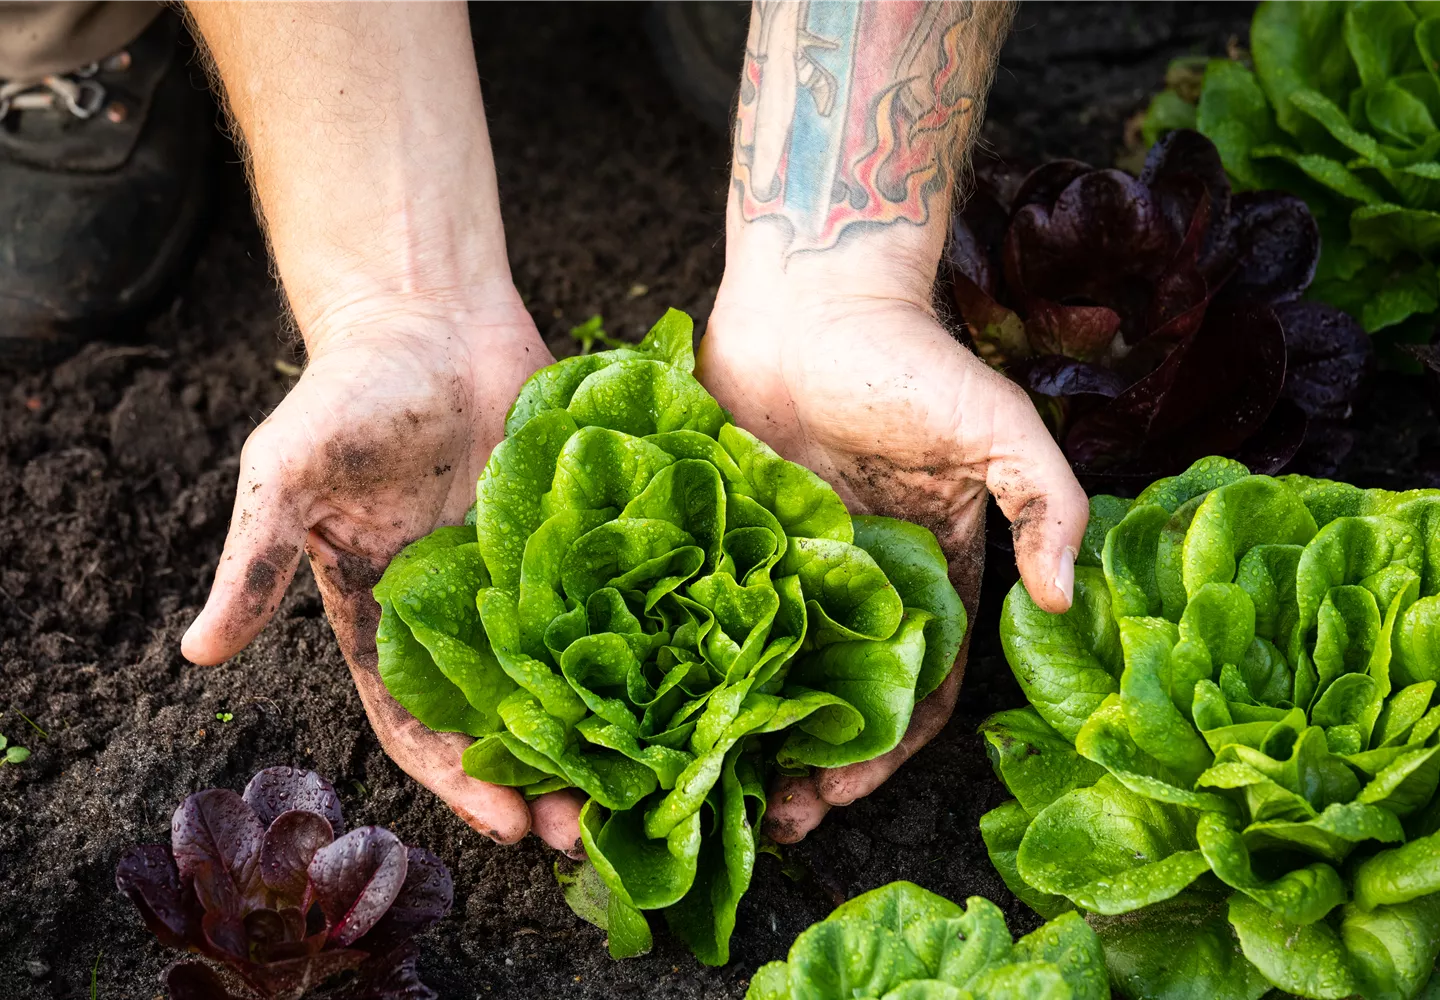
(116, 477)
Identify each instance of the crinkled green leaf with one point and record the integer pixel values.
(1003, 828)
(1269, 734)
(509, 493)
(1151, 689)
(1299, 896)
(1233, 113)
(911, 560)
(407, 667)
(645, 397)
(1065, 663)
(877, 678)
(1308, 960)
(1109, 850)
(1393, 948)
(1106, 740)
(802, 501)
(1235, 518)
(1381, 40)
(1399, 874)
(629, 932)
(1105, 512)
(1128, 558)
(1035, 762)
(1182, 948)
(1300, 46)
(900, 942)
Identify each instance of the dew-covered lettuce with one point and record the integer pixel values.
(1232, 747)
(1157, 319)
(900, 942)
(653, 607)
(1341, 109)
(271, 886)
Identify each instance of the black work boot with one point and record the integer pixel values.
(102, 178)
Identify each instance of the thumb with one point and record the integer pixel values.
(1032, 482)
(261, 552)
(433, 759)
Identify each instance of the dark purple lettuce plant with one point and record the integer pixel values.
(270, 885)
(1159, 319)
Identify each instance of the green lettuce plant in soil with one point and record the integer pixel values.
(651, 606)
(1231, 752)
(1340, 108)
(900, 942)
(1156, 319)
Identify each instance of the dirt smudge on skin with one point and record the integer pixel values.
(355, 466)
(346, 581)
(937, 493)
(268, 569)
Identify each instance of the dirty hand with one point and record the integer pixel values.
(875, 396)
(379, 442)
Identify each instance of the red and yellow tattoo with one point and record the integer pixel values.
(850, 113)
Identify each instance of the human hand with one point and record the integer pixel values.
(378, 443)
(875, 396)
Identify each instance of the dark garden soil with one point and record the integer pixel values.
(117, 473)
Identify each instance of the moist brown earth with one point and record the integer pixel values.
(117, 475)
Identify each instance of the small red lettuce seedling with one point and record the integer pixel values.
(1158, 319)
(269, 884)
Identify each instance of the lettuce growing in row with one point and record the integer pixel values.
(1341, 109)
(1232, 748)
(1154, 320)
(900, 942)
(653, 607)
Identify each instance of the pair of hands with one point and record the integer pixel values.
(384, 435)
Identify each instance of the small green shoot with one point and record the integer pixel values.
(12, 755)
(592, 332)
(94, 977)
(28, 721)
(224, 716)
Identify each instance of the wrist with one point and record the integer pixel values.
(898, 263)
(482, 323)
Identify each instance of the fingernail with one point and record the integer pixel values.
(1065, 578)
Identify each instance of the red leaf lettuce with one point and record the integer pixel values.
(1156, 319)
(269, 884)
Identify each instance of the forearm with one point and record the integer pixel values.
(854, 123)
(368, 152)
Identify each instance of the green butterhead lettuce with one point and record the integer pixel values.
(900, 942)
(651, 606)
(1232, 747)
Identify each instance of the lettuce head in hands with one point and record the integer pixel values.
(1232, 748)
(652, 607)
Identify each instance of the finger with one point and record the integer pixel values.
(555, 819)
(433, 759)
(841, 786)
(261, 552)
(1033, 484)
(794, 809)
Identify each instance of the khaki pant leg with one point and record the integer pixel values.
(49, 37)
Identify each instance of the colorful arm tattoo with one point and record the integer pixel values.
(856, 114)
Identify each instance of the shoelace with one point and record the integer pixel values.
(77, 92)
